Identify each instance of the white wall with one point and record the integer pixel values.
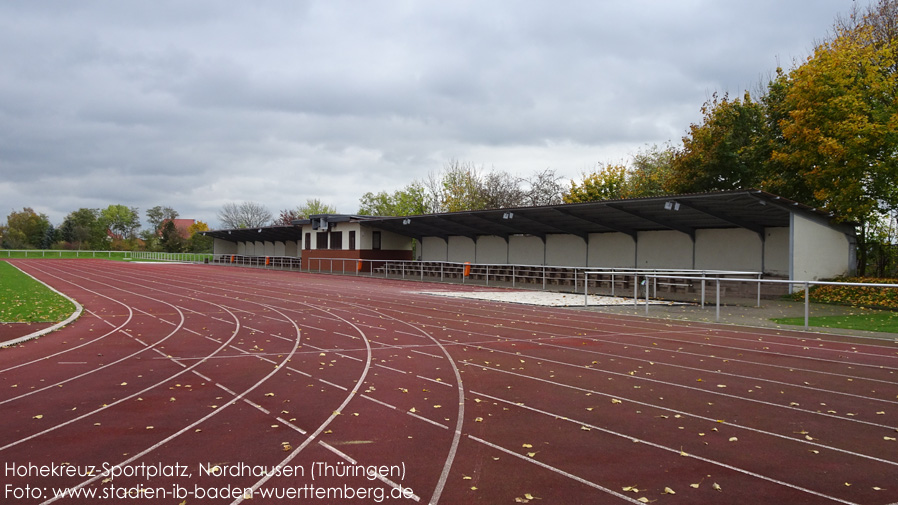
(776, 251)
(565, 250)
(461, 249)
(241, 248)
(492, 250)
(434, 249)
(526, 250)
(728, 249)
(818, 252)
(612, 250)
(291, 248)
(220, 246)
(664, 249)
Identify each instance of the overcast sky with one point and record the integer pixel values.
(193, 104)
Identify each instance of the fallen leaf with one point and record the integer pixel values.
(39, 416)
(668, 490)
(716, 487)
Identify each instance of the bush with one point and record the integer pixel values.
(855, 296)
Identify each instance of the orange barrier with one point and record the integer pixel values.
(233, 259)
(359, 266)
(267, 260)
(467, 268)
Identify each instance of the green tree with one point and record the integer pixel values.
(26, 229)
(84, 230)
(727, 150)
(651, 172)
(197, 242)
(314, 206)
(122, 221)
(608, 182)
(158, 214)
(171, 240)
(409, 201)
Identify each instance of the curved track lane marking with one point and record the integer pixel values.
(646, 442)
(183, 430)
(450, 458)
(314, 436)
(147, 347)
(684, 413)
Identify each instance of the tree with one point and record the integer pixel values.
(726, 151)
(314, 206)
(608, 182)
(158, 214)
(651, 173)
(171, 240)
(409, 201)
(544, 188)
(244, 215)
(122, 221)
(461, 188)
(286, 217)
(26, 229)
(500, 190)
(83, 229)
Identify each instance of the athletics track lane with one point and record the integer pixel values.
(604, 403)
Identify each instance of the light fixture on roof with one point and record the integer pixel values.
(507, 215)
(406, 221)
(260, 230)
(671, 205)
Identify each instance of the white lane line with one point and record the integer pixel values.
(790, 408)
(379, 476)
(558, 471)
(689, 414)
(191, 425)
(651, 444)
(323, 425)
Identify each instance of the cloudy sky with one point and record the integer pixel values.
(195, 104)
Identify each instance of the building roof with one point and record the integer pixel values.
(749, 209)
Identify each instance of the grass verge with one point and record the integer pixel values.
(24, 300)
(879, 321)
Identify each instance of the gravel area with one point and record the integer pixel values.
(544, 298)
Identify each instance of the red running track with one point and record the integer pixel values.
(202, 384)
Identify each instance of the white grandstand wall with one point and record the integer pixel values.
(818, 251)
(612, 250)
(526, 250)
(220, 246)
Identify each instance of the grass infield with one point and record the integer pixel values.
(24, 300)
(878, 321)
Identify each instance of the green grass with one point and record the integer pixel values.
(24, 300)
(877, 321)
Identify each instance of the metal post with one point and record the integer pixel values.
(759, 290)
(544, 277)
(512, 276)
(647, 297)
(612, 283)
(635, 289)
(717, 303)
(703, 289)
(807, 304)
(487, 275)
(586, 289)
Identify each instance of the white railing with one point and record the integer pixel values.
(61, 253)
(806, 286)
